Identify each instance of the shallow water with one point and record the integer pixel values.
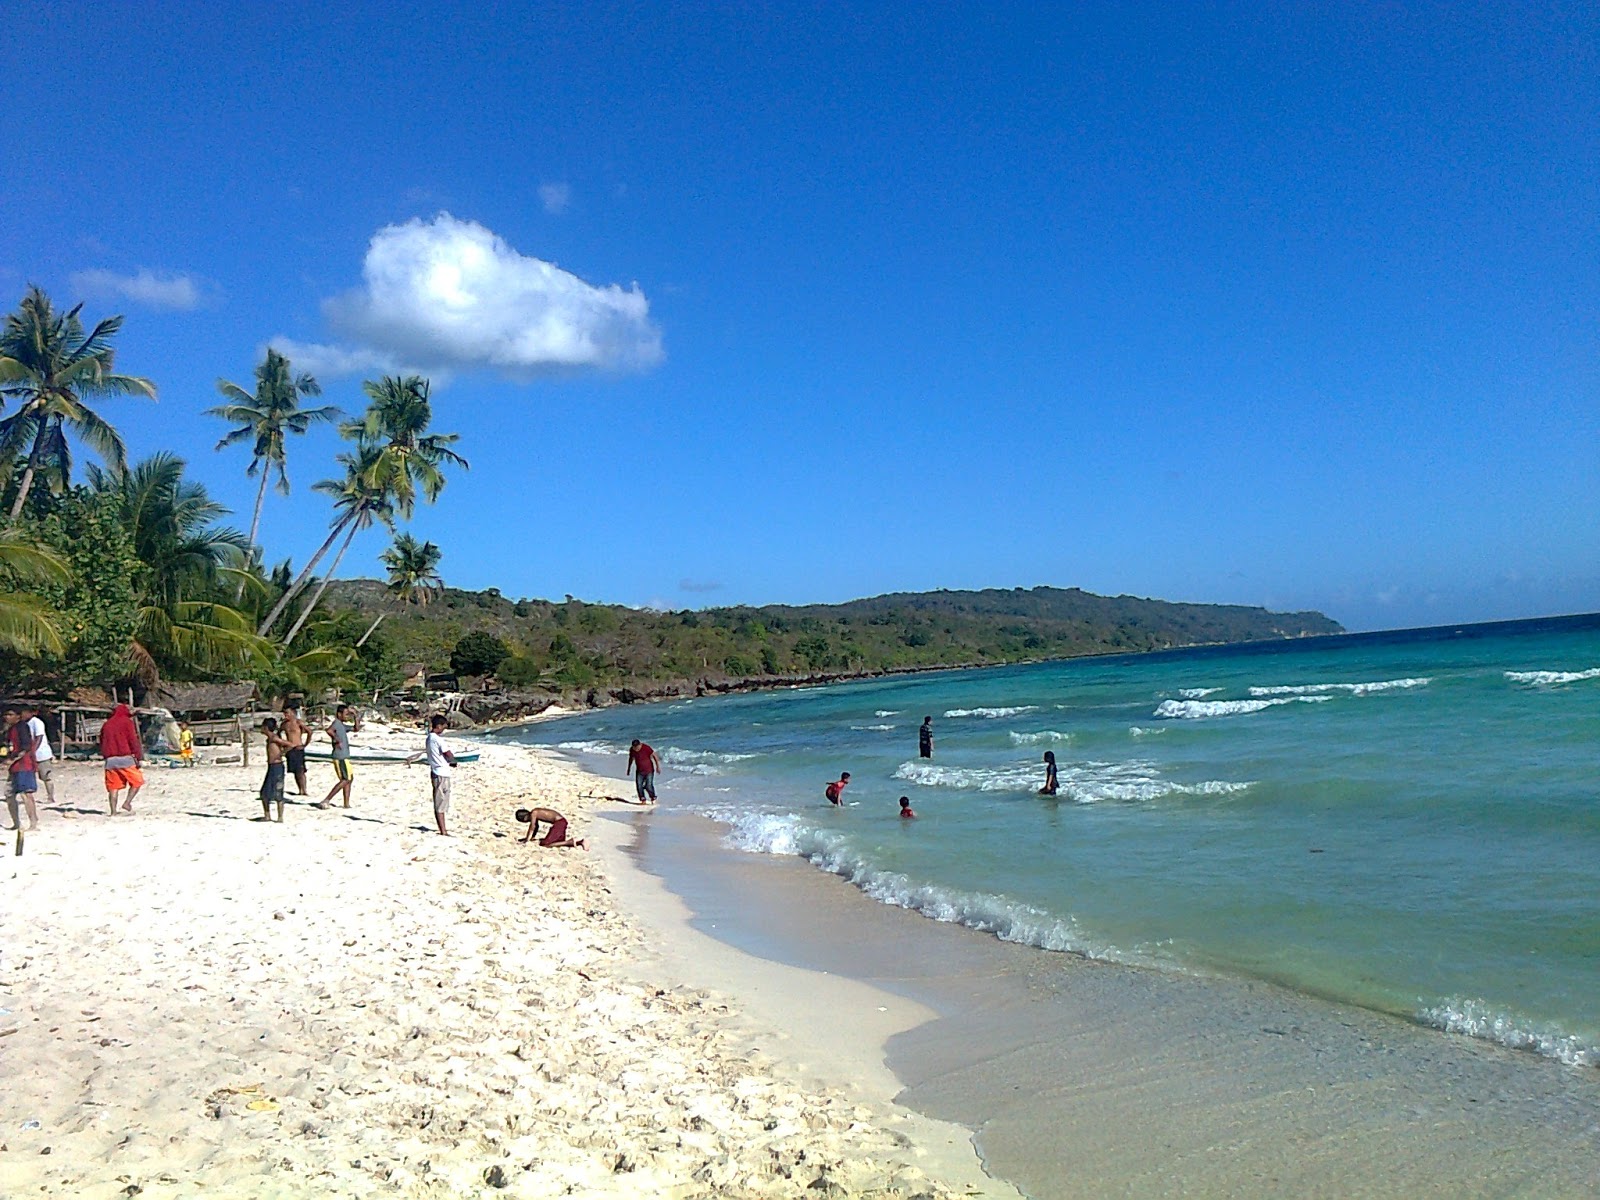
(1407, 822)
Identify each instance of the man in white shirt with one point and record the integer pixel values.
(42, 753)
(441, 766)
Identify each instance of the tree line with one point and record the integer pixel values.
(126, 572)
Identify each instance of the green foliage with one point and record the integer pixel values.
(478, 653)
(98, 603)
(50, 370)
(519, 671)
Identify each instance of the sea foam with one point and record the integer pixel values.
(1194, 710)
(1008, 919)
(874, 728)
(677, 756)
(1198, 693)
(1547, 678)
(1354, 689)
(1477, 1019)
(1043, 737)
(1081, 783)
(590, 747)
(991, 713)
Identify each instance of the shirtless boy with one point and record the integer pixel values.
(557, 833)
(272, 785)
(298, 734)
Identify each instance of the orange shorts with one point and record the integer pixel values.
(118, 778)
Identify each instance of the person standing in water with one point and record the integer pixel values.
(925, 738)
(643, 763)
(835, 790)
(906, 813)
(1050, 782)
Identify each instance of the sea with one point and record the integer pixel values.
(1405, 821)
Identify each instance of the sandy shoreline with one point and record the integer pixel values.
(407, 1014)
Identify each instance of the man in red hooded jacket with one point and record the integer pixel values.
(124, 756)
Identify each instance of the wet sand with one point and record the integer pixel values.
(1087, 1079)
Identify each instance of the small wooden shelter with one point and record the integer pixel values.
(213, 710)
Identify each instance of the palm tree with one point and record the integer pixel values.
(396, 457)
(266, 419)
(50, 368)
(27, 625)
(188, 559)
(359, 502)
(413, 575)
(410, 459)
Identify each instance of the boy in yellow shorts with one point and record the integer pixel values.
(186, 743)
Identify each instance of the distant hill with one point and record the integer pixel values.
(572, 645)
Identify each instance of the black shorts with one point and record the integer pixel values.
(297, 761)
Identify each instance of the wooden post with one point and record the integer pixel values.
(244, 740)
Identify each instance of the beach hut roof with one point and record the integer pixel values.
(203, 697)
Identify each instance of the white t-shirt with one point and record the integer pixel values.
(433, 747)
(36, 729)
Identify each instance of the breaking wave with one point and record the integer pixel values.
(1194, 710)
(1197, 693)
(1009, 920)
(1477, 1019)
(874, 728)
(1548, 678)
(676, 756)
(887, 712)
(991, 713)
(590, 747)
(1081, 783)
(1043, 737)
(1354, 689)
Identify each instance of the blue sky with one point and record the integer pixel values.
(765, 303)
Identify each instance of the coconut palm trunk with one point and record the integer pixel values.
(255, 517)
(35, 457)
(299, 583)
(370, 629)
(305, 613)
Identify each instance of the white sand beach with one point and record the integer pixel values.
(347, 1004)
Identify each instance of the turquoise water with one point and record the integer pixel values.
(1408, 822)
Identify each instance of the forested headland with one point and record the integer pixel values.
(570, 646)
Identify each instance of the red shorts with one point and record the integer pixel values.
(557, 834)
(118, 778)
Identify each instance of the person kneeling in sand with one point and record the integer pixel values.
(557, 833)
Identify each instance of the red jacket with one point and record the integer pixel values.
(120, 736)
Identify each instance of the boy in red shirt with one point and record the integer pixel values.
(835, 790)
(22, 768)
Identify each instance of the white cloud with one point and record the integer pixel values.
(335, 360)
(555, 197)
(699, 585)
(447, 293)
(154, 289)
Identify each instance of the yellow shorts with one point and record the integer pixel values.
(341, 769)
